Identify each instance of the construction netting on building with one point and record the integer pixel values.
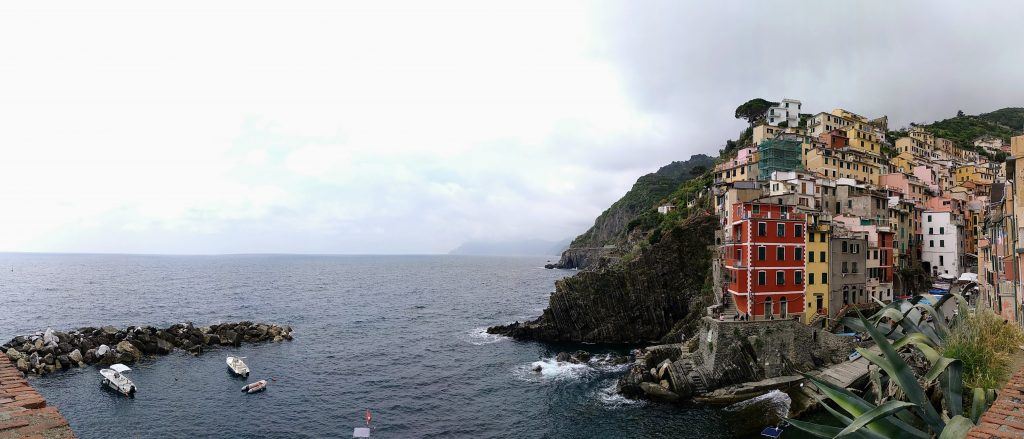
(778, 155)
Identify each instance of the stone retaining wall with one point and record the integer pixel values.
(23, 411)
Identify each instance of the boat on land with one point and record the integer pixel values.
(255, 387)
(115, 379)
(237, 366)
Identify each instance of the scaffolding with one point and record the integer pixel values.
(778, 155)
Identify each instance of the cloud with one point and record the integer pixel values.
(404, 127)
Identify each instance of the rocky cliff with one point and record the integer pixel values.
(655, 293)
(606, 236)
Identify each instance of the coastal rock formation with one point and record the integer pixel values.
(656, 294)
(50, 351)
(608, 234)
(728, 353)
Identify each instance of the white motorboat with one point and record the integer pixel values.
(115, 378)
(255, 387)
(238, 366)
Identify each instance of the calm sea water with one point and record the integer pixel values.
(400, 335)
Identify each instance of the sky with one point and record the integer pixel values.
(411, 127)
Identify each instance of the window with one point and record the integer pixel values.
(810, 256)
(855, 248)
(810, 237)
(931, 243)
(929, 218)
(824, 278)
(762, 229)
(780, 277)
(780, 253)
(760, 253)
(822, 236)
(810, 278)
(757, 208)
(739, 254)
(931, 231)
(942, 260)
(761, 278)
(844, 247)
(876, 254)
(855, 267)
(942, 243)
(846, 268)
(798, 230)
(798, 277)
(780, 229)
(798, 254)
(942, 230)
(821, 256)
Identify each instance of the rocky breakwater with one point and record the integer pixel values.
(655, 294)
(51, 351)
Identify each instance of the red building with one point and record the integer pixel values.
(765, 260)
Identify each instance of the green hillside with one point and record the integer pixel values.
(963, 130)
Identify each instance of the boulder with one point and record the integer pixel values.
(22, 365)
(102, 351)
(76, 356)
(658, 393)
(230, 338)
(163, 347)
(127, 348)
(14, 355)
(38, 344)
(90, 356)
(64, 361)
(109, 330)
(49, 359)
(580, 357)
(49, 337)
(562, 357)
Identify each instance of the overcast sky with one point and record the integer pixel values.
(410, 127)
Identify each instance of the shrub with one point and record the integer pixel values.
(984, 342)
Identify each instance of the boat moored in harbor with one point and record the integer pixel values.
(114, 378)
(237, 366)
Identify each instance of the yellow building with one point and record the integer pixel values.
(816, 266)
(912, 145)
(973, 173)
(844, 163)
(903, 162)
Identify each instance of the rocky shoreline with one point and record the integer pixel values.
(51, 351)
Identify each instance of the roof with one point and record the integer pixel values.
(120, 368)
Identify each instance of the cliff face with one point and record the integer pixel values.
(656, 294)
(609, 228)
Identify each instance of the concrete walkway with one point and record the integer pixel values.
(1005, 419)
(23, 411)
(844, 375)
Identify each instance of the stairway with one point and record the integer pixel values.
(730, 307)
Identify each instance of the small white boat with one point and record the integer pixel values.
(238, 366)
(255, 387)
(115, 378)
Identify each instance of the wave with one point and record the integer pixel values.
(554, 370)
(480, 337)
(613, 399)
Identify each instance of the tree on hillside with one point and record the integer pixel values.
(698, 170)
(959, 113)
(753, 109)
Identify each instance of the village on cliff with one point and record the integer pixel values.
(826, 213)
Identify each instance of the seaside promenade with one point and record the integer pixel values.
(23, 411)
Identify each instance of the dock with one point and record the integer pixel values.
(845, 374)
(23, 411)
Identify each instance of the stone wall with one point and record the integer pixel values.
(23, 411)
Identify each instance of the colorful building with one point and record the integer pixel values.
(765, 259)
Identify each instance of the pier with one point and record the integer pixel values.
(23, 411)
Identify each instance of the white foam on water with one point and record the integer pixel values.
(480, 337)
(552, 370)
(609, 396)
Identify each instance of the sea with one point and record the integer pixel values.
(400, 336)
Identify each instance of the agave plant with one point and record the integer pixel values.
(902, 407)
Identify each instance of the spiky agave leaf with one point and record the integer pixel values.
(978, 404)
(898, 370)
(856, 406)
(957, 428)
(874, 414)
